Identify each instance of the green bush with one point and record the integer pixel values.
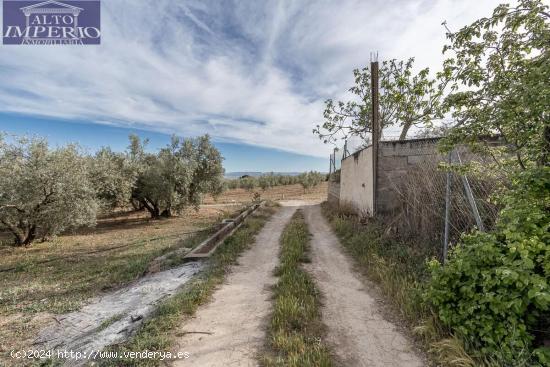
(494, 290)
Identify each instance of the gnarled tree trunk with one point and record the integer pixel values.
(152, 207)
(22, 236)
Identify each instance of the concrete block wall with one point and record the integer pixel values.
(395, 161)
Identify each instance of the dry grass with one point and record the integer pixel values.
(289, 192)
(60, 275)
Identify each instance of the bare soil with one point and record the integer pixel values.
(230, 330)
(356, 329)
(289, 192)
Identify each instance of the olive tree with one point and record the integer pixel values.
(310, 179)
(406, 99)
(43, 191)
(177, 176)
(264, 182)
(248, 183)
(113, 177)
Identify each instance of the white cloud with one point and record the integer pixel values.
(254, 72)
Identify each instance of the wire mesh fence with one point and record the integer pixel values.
(432, 189)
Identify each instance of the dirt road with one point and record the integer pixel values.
(357, 332)
(231, 328)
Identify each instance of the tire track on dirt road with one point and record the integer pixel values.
(357, 332)
(230, 330)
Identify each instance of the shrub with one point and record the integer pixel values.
(248, 183)
(494, 291)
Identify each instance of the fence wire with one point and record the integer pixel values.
(423, 193)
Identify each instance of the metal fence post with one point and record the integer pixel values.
(471, 199)
(345, 150)
(447, 209)
(335, 151)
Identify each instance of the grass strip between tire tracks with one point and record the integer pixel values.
(295, 329)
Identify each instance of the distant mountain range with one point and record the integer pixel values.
(257, 174)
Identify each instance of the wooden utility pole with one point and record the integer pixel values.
(375, 130)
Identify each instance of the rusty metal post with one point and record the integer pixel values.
(375, 131)
(345, 150)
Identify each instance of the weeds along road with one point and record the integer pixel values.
(229, 331)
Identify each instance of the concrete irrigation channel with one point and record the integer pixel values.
(113, 317)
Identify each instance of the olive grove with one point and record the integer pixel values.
(177, 176)
(45, 191)
(307, 180)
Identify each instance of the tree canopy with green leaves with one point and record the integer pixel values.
(494, 290)
(406, 99)
(113, 177)
(499, 68)
(177, 176)
(43, 191)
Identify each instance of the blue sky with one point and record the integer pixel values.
(238, 157)
(252, 74)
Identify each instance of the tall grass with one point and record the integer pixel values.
(401, 273)
(295, 331)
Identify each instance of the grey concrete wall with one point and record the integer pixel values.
(333, 192)
(356, 184)
(395, 161)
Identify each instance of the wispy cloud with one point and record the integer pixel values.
(255, 72)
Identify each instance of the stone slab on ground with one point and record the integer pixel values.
(113, 317)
